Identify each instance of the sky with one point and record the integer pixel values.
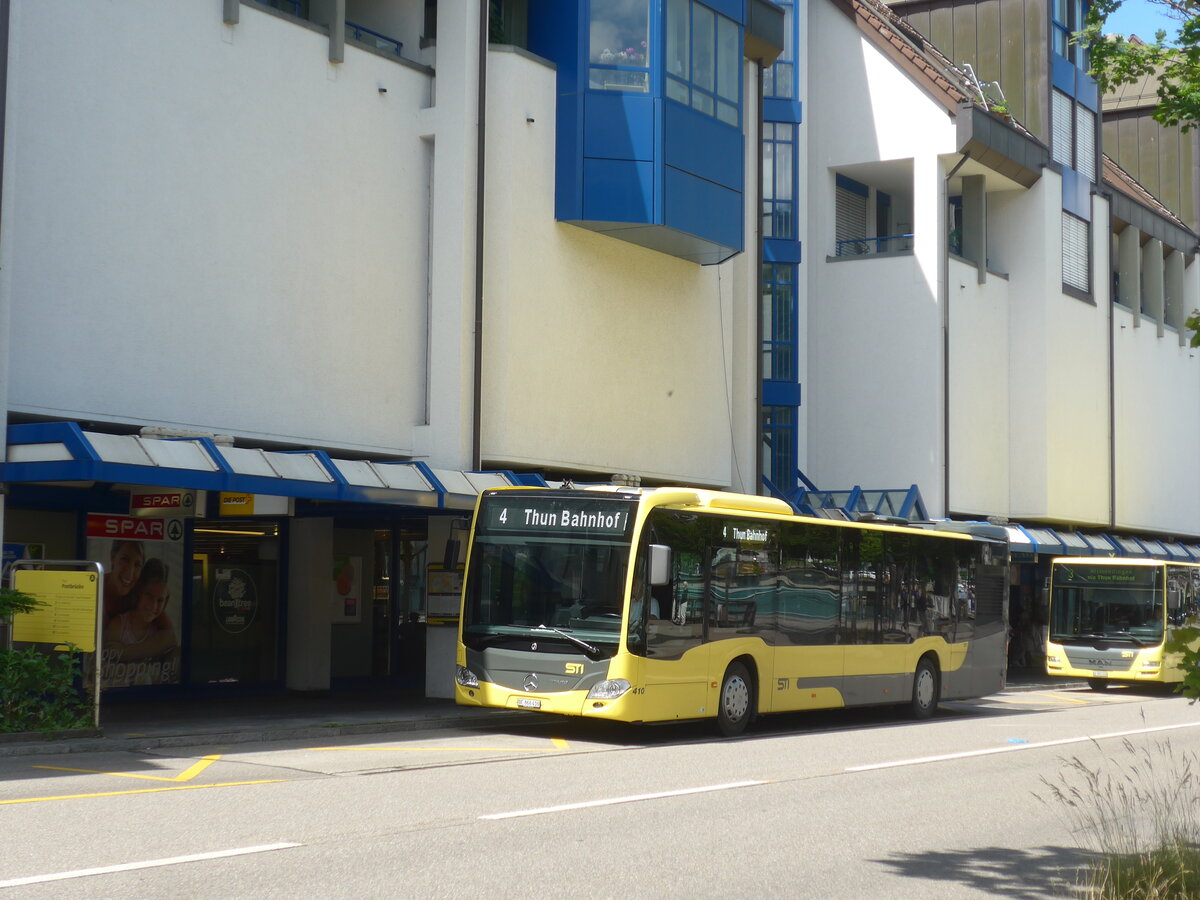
(1143, 18)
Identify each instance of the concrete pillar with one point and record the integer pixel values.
(974, 232)
(1152, 281)
(310, 556)
(1173, 287)
(1129, 271)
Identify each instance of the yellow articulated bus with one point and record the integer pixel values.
(1109, 618)
(653, 605)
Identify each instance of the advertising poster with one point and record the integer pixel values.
(142, 597)
(234, 599)
(346, 600)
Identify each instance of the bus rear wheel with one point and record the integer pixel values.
(926, 689)
(1098, 684)
(735, 705)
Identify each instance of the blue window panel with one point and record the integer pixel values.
(568, 159)
(849, 184)
(557, 32)
(734, 9)
(701, 145)
(776, 250)
(1086, 91)
(618, 126)
(780, 393)
(783, 111)
(1077, 194)
(1062, 74)
(702, 208)
(616, 190)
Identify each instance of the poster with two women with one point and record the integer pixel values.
(142, 599)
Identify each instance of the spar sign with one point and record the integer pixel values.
(126, 528)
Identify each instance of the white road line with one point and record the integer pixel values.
(611, 801)
(148, 864)
(1013, 748)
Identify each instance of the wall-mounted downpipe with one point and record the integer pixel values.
(944, 250)
(477, 388)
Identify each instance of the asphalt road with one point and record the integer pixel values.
(839, 804)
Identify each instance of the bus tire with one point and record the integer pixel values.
(1098, 684)
(735, 705)
(927, 686)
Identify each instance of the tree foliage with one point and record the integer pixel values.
(1173, 59)
(1116, 60)
(1185, 641)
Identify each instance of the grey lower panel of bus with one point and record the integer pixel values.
(1112, 659)
(972, 679)
(522, 670)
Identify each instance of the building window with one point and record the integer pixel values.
(779, 79)
(619, 48)
(1073, 135)
(704, 60)
(1075, 253)
(779, 322)
(779, 437)
(1066, 18)
(850, 226)
(779, 141)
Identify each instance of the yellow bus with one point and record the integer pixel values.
(1109, 618)
(661, 604)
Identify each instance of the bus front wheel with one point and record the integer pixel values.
(735, 705)
(926, 689)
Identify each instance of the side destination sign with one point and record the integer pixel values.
(554, 515)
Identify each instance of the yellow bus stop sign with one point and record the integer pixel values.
(68, 611)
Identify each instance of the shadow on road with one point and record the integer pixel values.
(1030, 874)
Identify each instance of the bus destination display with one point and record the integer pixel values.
(1105, 575)
(550, 515)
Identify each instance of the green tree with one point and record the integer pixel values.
(1174, 60)
(1186, 641)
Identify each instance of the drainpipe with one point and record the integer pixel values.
(477, 387)
(944, 249)
(758, 323)
(1112, 397)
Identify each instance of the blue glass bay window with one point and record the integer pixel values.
(649, 144)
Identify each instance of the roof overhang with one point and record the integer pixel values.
(996, 144)
(63, 453)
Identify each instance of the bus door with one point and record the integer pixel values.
(675, 668)
(809, 654)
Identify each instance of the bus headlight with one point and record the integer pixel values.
(465, 677)
(608, 690)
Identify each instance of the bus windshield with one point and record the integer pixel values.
(548, 571)
(1090, 603)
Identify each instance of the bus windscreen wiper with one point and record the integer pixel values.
(592, 651)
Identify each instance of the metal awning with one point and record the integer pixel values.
(1073, 544)
(1046, 541)
(1176, 551)
(1154, 548)
(62, 452)
(1019, 542)
(1129, 546)
(1101, 544)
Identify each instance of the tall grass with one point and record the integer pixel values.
(1138, 815)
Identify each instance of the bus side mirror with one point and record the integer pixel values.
(660, 564)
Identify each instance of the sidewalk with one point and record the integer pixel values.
(144, 725)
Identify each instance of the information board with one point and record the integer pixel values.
(68, 611)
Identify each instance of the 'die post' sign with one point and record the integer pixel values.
(68, 611)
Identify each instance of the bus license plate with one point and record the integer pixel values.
(1099, 674)
(529, 703)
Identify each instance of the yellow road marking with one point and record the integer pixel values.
(182, 787)
(437, 749)
(559, 743)
(186, 775)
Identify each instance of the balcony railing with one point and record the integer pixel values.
(892, 243)
(373, 38)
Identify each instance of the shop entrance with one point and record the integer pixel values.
(235, 602)
(388, 640)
